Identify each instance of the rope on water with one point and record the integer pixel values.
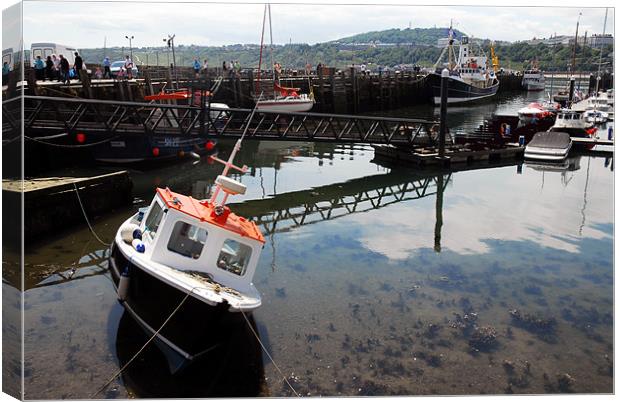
(120, 371)
(268, 355)
(77, 192)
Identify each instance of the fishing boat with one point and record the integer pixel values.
(470, 78)
(533, 78)
(284, 99)
(574, 123)
(183, 268)
(548, 146)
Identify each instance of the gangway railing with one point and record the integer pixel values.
(48, 116)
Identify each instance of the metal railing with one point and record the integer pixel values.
(101, 118)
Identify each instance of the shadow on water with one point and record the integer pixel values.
(234, 368)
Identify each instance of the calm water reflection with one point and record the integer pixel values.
(375, 281)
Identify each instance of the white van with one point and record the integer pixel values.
(45, 49)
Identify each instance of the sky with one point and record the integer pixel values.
(86, 24)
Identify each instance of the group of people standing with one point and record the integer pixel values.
(58, 68)
(204, 68)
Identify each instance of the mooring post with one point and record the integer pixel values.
(438, 213)
(571, 90)
(445, 74)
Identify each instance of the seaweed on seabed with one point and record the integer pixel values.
(543, 327)
(483, 338)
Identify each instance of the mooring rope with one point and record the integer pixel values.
(86, 218)
(120, 371)
(72, 145)
(268, 355)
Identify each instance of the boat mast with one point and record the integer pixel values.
(260, 56)
(575, 46)
(273, 70)
(600, 58)
(450, 48)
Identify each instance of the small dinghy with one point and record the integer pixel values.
(183, 268)
(549, 146)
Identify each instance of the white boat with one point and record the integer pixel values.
(595, 116)
(188, 263)
(548, 146)
(284, 99)
(533, 79)
(574, 123)
(300, 103)
(601, 101)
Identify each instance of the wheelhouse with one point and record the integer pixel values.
(202, 238)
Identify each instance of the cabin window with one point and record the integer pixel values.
(153, 220)
(37, 52)
(187, 240)
(234, 257)
(6, 58)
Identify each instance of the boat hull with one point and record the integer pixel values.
(189, 335)
(459, 91)
(143, 148)
(302, 105)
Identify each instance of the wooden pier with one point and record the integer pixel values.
(335, 91)
(51, 204)
(454, 154)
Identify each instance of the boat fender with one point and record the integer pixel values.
(123, 285)
(127, 231)
(137, 234)
(138, 245)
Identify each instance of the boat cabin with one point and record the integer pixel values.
(202, 237)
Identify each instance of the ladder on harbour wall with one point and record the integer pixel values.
(101, 120)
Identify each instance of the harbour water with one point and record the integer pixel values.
(375, 280)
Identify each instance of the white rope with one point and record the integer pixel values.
(86, 218)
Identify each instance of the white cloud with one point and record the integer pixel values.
(84, 24)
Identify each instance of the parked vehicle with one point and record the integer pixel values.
(117, 66)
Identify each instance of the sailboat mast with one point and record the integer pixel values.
(273, 70)
(575, 46)
(600, 57)
(260, 56)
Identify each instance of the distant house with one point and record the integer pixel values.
(601, 40)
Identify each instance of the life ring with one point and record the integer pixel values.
(502, 129)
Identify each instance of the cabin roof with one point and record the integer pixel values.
(205, 212)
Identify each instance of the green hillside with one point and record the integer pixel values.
(417, 36)
(408, 46)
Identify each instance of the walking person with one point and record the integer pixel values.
(196, 66)
(63, 69)
(106, 67)
(205, 68)
(39, 68)
(56, 61)
(49, 68)
(78, 65)
(129, 67)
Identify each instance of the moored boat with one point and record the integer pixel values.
(548, 146)
(533, 113)
(533, 78)
(183, 267)
(573, 123)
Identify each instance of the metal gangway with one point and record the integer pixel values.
(53, 117)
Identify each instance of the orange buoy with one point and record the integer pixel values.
(80, 138)
(155, 151)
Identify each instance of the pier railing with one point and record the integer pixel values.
(100, 119)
